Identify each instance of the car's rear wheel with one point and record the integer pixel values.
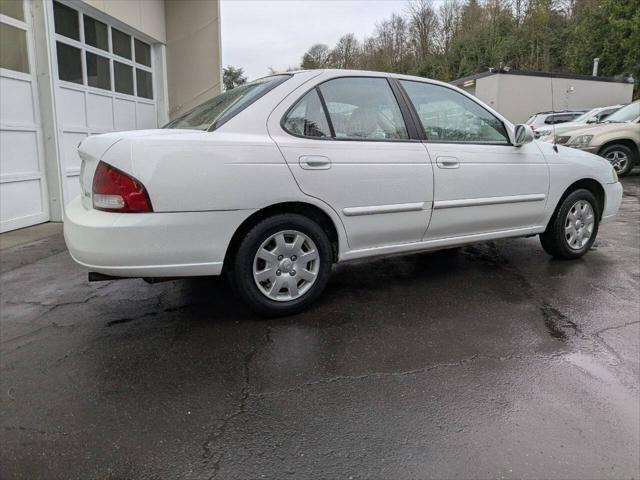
(574, 227)
(282, 265)
(620, 157)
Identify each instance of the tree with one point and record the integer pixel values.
(464, 37)
(316, 57)
(423, 26)
(610, 31)
(346, 52)
(233, 77)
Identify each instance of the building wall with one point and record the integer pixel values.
(194, 72)
(147, 16)
(488, 93)
(46, 115)
(519, 96)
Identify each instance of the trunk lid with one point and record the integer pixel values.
(93, 148)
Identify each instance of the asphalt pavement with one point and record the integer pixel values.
(490, 361)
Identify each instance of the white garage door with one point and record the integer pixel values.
(23, 193)
(105, 82)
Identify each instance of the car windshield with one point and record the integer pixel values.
(586, 116)
(219, 109)
(625, 114)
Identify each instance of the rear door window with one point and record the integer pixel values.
(363, 108)
(307, 118)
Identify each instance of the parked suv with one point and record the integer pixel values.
(540, 120)
(617, 139)
(593, 116)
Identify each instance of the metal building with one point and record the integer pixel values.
(518, 94)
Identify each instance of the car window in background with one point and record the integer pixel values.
(307, 118)
(625, 114)
(448, 116)
(362, 108)
(562, 118)
(219, 109)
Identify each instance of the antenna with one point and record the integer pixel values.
(553, 119)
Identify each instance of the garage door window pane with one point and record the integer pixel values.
(143, 53)
(123, 78)
(98, 73)
(121, 43)
(143, 83)
(13, 49)
(363, 109)
(95, 33)
(66, 20)
(12, 8)
(69, 63)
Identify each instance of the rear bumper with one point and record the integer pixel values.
(612, 201)
(150, 244)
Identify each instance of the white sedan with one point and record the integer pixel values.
(274, 181)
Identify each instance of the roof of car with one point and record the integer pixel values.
(337, 72)
(553, 112)
(528, 73)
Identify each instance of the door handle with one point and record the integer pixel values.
(314, 162)
(447, 162)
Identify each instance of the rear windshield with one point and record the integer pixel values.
(216, 111)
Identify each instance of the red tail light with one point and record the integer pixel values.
(115, 191)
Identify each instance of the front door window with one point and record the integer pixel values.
(449, 116)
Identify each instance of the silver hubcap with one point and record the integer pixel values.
(618, 160)
(286, 265)
(578, 226)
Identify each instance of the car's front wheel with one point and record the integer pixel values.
(573, 229)
(282, 265)
(620, 157)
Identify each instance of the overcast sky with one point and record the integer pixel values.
(258, 34)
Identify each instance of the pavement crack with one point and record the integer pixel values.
(35, 332)
(51, 307)
(616, 327)
(21, 428)
(377, 375)
(119, 321)
(209, 449)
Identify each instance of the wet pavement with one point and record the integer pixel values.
(488, 361)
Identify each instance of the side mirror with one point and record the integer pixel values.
(522, 134)
(592, 120)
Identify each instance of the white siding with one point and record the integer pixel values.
(23, 192)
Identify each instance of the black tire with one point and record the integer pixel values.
(624, 150)
(241, 273)
(554, 239)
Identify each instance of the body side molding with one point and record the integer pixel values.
(476, 202)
